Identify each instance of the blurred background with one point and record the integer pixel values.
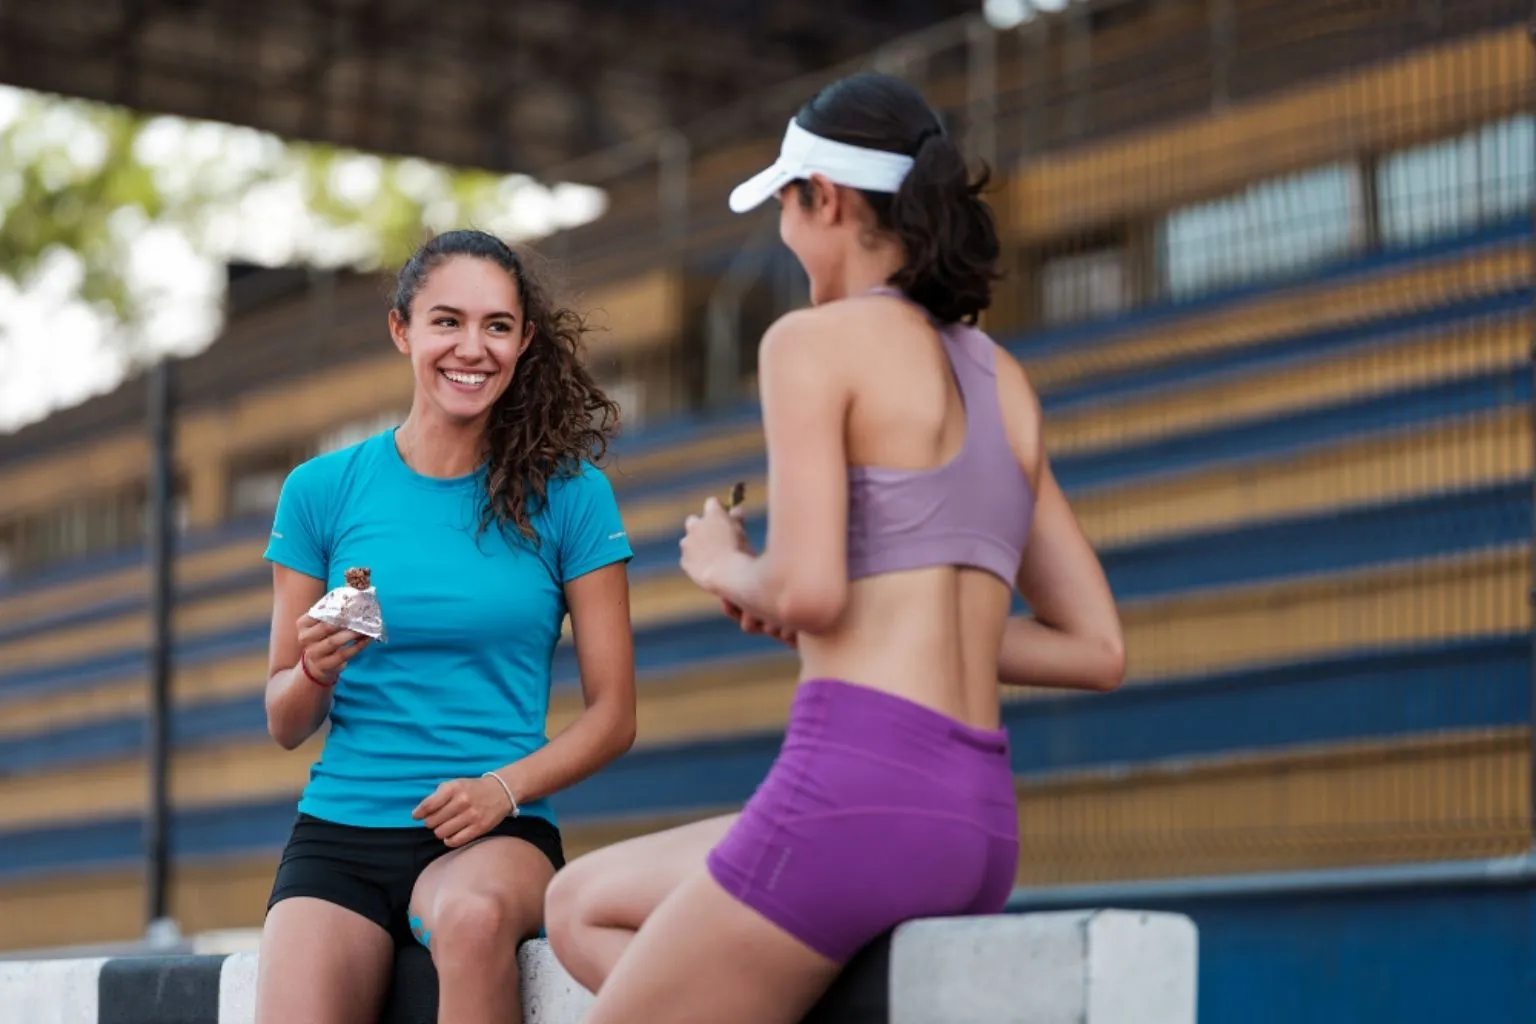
(1269, 263)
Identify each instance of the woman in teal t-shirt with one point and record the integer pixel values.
(482, 522)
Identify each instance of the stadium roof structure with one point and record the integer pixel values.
(532, 93)
(505, 85)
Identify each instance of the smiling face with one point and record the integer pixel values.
(465, 334)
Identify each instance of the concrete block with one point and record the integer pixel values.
(1072, 967)
(50, 991)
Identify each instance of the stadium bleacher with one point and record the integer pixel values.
(1312, 496)
(712, 698)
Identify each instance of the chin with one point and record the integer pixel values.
(458, 407)
(459, 415)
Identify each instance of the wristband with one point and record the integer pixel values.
(514, 812)
(304, 667)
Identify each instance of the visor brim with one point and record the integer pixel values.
(759, 188)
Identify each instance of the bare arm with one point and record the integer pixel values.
(1074, 640)
(800, 581)
(296, 704)
(605, 655)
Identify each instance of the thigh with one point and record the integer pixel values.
(703, 956)
(506, 873)
(321, 963)
(620, 885)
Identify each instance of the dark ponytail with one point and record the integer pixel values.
(946, 228)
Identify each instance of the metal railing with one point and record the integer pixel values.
(1096, 70)
(1294, 415)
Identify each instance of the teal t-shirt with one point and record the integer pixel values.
(462, 685)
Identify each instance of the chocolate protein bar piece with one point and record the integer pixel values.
(354, 606)
(738, 495)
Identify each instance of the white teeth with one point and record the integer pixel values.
(466, 378)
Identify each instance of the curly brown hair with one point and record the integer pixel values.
(553, 416)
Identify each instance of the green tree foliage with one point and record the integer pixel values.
(86, 178)
(57, 191)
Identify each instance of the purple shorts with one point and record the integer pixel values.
(876, 811)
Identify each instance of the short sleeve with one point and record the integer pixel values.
(591, 529)
(300, 536)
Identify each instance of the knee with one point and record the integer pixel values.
(472, 928)
(569, 904)
(563, 906)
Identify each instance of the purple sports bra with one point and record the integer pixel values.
(973, 511)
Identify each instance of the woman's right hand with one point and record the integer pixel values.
(750, 623)
(325, 649)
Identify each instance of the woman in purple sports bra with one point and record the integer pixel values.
(909, 494)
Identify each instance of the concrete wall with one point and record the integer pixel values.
(1433, 944)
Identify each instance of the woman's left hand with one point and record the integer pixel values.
(462, 810)
(706, 539)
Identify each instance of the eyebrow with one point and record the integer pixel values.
(501, 313)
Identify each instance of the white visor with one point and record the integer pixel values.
(804, 154)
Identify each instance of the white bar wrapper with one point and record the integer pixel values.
(354, 606)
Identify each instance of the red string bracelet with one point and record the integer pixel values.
(304, 667)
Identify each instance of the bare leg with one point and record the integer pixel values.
(477, 904)
(704, 957)
(597, 902)
(321, 964)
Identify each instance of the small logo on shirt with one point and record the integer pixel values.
(616, 536)
(276, 535)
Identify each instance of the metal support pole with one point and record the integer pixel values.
(1079, 71)
(1223, 30)
(981, 85)
(160, 555)
(722, 323)
(673, 156)
(722, 349)
(1432, 15)
(1531, 439)
(1036, 126)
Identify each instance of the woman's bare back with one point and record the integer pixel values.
(932, 634)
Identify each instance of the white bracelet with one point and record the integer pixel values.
(505, 789)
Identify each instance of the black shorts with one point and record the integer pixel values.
(371, 871)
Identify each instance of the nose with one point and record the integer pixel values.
(471, 346)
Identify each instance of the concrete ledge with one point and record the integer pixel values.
(1071, 967)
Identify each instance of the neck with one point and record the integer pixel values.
(436, 448)
(871, 269)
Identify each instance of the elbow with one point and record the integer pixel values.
(1109, 664)
(284, 738)
(621, 737)
(283, 733)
